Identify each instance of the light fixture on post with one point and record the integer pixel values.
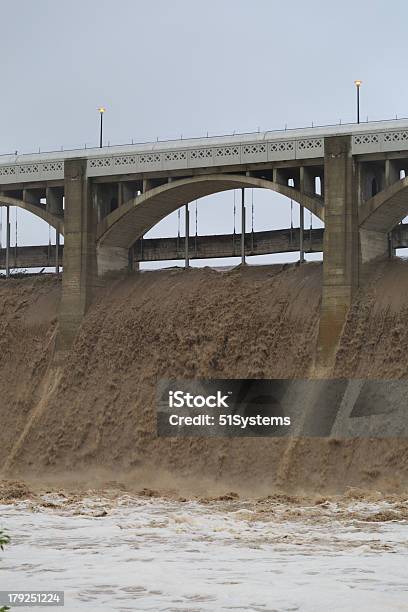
(358, 85)
(101, 110)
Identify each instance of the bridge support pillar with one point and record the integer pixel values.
(147, 184)
(375, 244)
(54, 198)
(32, 196)
(106, 199)
(187, 238)
(307, 180)
(54, 201)
(79, 278)
(392, 172)
(8, 241)
(341, 245)
(126, 192)
(392, 175)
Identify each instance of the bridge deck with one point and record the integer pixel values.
(259, 147)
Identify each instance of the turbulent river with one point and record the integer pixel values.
(141, 552)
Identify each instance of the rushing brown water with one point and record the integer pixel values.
(97, 412)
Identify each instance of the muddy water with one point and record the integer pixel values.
(131, 552)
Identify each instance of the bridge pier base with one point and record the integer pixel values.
(80, 273)
(340, 247)
(113, 259)
(373, 245)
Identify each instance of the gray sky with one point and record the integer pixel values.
(165, 68)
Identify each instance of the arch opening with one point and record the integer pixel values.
(32, 242)
(125, 225)
(272, 233)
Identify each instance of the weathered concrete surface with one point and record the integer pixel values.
(112, 259)
(341, 244)
(373, 245)
(80, 273)
(54, 201)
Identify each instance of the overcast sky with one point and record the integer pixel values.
(165, 68)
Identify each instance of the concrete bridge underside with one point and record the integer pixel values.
(382, 212)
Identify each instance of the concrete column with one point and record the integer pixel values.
(307, 180)
(106, 198)
(371, 179)
(307, 185)
(243, 226)
(374, 244)
(57, 250)
(280, 176)
(54, 200)
(32, 196)
(111, 260)
(341, 244)
(186, 240)
(125, 193)
(7, 241)
(79, 278)
(147, 184)
(392, 172)
(301, 233)
(392, 175)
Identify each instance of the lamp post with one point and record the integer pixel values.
(358, 84)
(101, 110)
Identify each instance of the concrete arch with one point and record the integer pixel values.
(123, 226)
(384, 211)
(56, 222)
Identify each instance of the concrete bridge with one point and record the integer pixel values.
(104, 200)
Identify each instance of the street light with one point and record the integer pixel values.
(101, 110)
(358, 85)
